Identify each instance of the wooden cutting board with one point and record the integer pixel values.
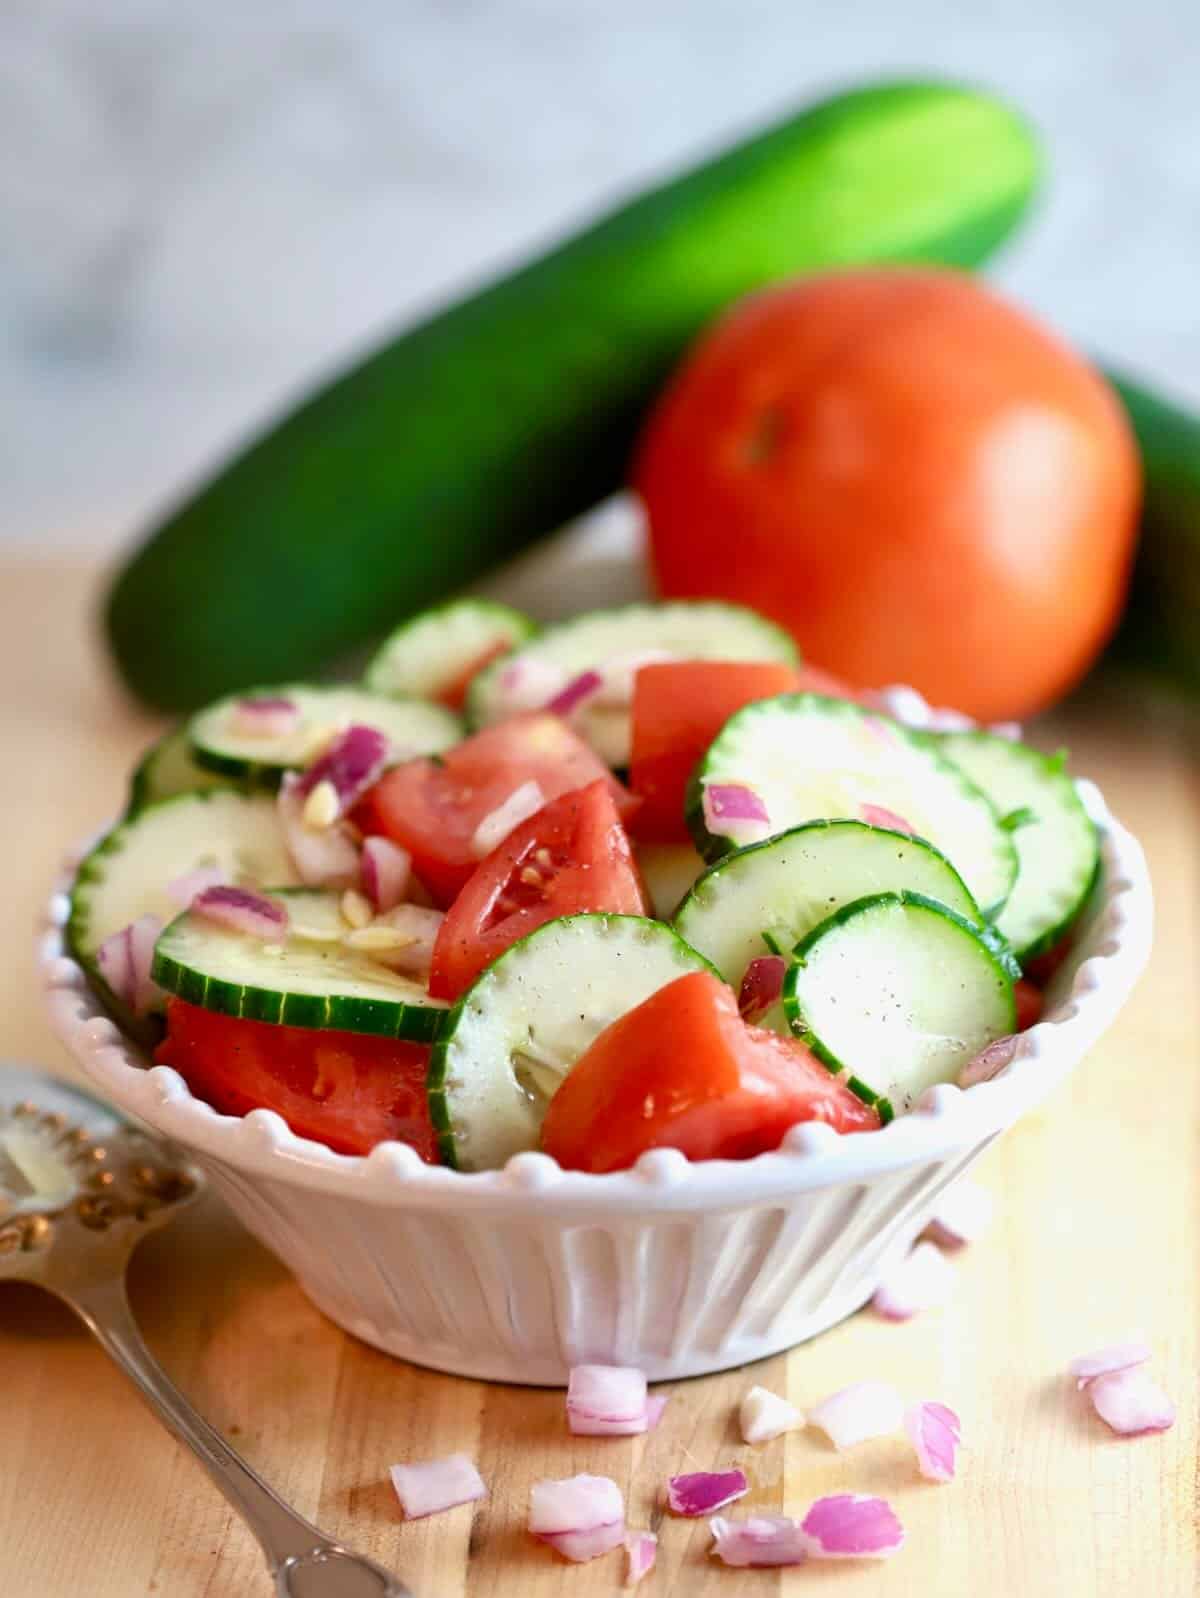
(1098, 1236)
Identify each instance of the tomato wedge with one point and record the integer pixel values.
(684, 1071)
(572, 855)
(433, 806)
(343, 1089)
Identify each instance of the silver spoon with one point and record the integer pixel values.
(79, 1189)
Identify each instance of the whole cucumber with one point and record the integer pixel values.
(484, 428)
(1161, 627)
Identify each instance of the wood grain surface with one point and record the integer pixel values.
(1098, 1236)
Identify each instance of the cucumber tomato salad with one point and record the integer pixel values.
(636, 880)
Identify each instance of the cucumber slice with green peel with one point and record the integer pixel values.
(784, 887)
(219, 743)
(129, 872)
(168, 768)
(514, 1035)
(681, 629)
(428, 656)
(806, 757)
(312, 979)
(898, 992)
(1058, 850)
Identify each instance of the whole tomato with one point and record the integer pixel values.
(911, 475)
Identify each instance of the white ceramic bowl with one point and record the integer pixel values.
(679, 1268)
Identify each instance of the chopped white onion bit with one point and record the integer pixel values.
(436, 1484)
(641, 1549)
(963, 1214)
(326, 859)
(1118, 1357)
(264, 716)
(923, 1279)
(852, 1526)
(574, 1503)
(935, 1433)
(606, 1401)
(124, 959)
(763, 1541)
(491, 832)
(859, 1412)
(1130, 1403)
(386, 872)
(764, 1415)
(239, 910)
(185, 888)
(701, 1491)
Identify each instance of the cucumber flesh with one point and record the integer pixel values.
(425, 657)
(668, 870)
(681, 630)
(808, 757)
(128, 873)
(515, 1034)
(168, 768)
(311, 980)
(899, 993)
(1058, 851)
(411, 726)
(789, 884)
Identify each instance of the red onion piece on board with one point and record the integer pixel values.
(325, 858)
(1117, 1357)
(762, 986)
(641, 1548)
(577, 692)
(763, 1541)
(702, 1491)
(580, 1546)
(859, 1412)
(1130, 1403)
(923, 1279)
(935, 1433)
(609, 1401)
(734, 811)
(386, 872)
(432, 1485)
(573, 1504)
(763, 1415)
(239, 910)
(351, 764)
(264, 716)
(124, 960)
(852, 1526)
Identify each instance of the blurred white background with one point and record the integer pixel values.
(203, 204)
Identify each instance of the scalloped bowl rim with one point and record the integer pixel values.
(812, 1155)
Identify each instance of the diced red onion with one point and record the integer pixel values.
(641, 1548)
(1118, 1357)
(963, 1214)
(852, 1526)
(577, 692)
(386, 872)
(989, 1062)
(764, 1415)
(736, 812)
(580, 1546)
(185, 888)
(239, 910)
(573, 1504)
(521, 803)
(432, 1485)
(880, 816)
(763, 1541)
(124, 960)
(606, 1401)
(859, 1412)
(351, 764)
(323, 859)
(265, 716)
(1130, 1403)
(701, 1491)
(416, 928)
(762, 986)
(935, 1433)
(923, 1279)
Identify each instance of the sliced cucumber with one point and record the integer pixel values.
(428, 656)
(128, 874)
(412, 727)
(785, 886)
(311, 980)
(899, 992)
(515, 1034)
(668, 870)
(684, 629)
(808, 757)
(166, 769)
(1058, 851)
